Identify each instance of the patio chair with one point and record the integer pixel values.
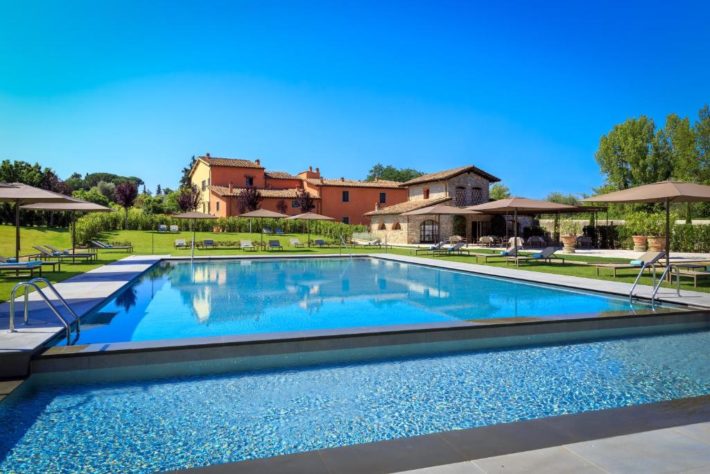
(457, 248)
(174, 229)
(11, 265)
(180, 244)
(267, 230)
(519, 244)
(509, 252)
(431, 248)
(319, 243)
(48, 251)
(648, 259)
(296, 243)
(106, 246)
(246, 245)
(545, 255)
(279, 231)
(274, 244)
(162, 228)
(486, 241)
(208, 244)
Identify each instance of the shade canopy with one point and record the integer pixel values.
(441, 210)
(75, 205)
(521, 205)
(673, 191)
(263, 214)
(194, 215)
(26, 194)
(311, 216)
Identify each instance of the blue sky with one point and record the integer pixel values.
(523, 90)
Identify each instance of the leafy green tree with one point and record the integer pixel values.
(681, 141)
(91, 195)
(559, 198)
(390, 173)
(499, 191)
(126, 194)
(702, 142)
(107, 189)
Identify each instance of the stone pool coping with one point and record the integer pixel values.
(87, 291)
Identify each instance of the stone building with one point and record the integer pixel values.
(460, 187)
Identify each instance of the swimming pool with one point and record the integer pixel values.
(51, 425)
(182, 299)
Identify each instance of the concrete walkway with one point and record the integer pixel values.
(670, 450)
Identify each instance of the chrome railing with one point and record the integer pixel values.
(34, 283)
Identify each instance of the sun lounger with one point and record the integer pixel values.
(47, 252)
(693, 271)
(649, 259)
(208, 244)
(246, 245)
(279, 231)
(319, 243)
(274, 244)
(10, 265)
(174, 229)
(296, 243)
(509, 252)
(545, 255)
(457, 248)
(162, 228)
(431, 248)
(106, 246)
(180, 244)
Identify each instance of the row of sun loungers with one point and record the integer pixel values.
(248, 244)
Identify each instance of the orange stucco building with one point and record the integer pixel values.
(220, 180)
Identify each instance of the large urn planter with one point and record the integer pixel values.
(639, 243)
(569, 242)
(656, 244)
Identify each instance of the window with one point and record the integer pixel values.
(382, 226)
(426, 193)
(383, 198)
(217, 205)
(460, 196)
(346, 220)
(204, 185)
(396, 226)
(295, 204)
(346, 196)
(476, 195)
(428, 232)
(250, 181)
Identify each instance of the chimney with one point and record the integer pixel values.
(317, 170)
(310, 168)
(258, 162)
(342, 180)
(207, 154)
(231, 187)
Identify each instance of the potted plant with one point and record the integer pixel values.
(656, 230)
(636, 222)
(568, 234)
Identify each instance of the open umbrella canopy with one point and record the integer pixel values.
(24, 194)
(521, 205)
(263, 214)
(194, 215)
(673, 191)
(441, 210)
(311, 216)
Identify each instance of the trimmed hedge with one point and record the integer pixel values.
(91, 226)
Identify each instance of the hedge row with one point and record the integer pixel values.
(93, 225)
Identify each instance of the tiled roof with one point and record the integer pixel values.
(280, 175)
(347, 183)
(233, 162)
(446, 174)
(407, 206)
(267, 193)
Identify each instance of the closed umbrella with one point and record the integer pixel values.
(20, 194)
(75, 205)
(522, 205)
(192, 216)
(666, 192)
(308, 217)
(263, 214)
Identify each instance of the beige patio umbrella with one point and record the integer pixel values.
(193, 216)
(665, 192)
(20, 194)
(263, 214)
(522, 205)
(75, 205)
(308, 217)
(439, 210)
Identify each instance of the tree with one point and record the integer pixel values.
(106, 188)
(281, 206)
(158, 191)
(91, 195)
(390, 173)
(185, 181)
(248, 200)
(559, 198)
(702, 142)
(126, 194)
(681, 143)
(188, 199)
(499, 191)
(305, 201)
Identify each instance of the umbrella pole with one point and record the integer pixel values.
(515, 239)
(308, 227)
(261, 224)
(192, 254)
(668, 234)
(17, 230)
(72, 223)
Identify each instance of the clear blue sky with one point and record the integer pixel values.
(523, 90)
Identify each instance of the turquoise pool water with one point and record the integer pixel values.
(52, 426)
(214, 298)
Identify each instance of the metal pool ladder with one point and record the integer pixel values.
(638, 277)
(34, 283)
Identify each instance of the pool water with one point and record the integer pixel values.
(194, 421)
(176, 300)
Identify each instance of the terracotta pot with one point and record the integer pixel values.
(639, 243)
(656, 244)
(569, 242)
(216, 229)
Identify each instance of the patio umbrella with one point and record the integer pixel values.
(665, 192)
(20, 194)
(74, 205)
(439, 210)
(308, 217)
(523, 205)
(192, 216)
(263, 214)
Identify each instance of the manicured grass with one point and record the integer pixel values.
(163, 244)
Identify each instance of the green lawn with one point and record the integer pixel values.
(161, 243)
